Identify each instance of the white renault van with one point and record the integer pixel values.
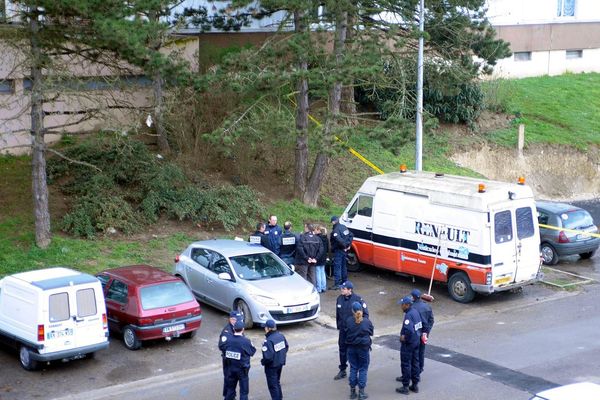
(52, 314)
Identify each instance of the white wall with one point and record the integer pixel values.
(515, 12)
(548, 63)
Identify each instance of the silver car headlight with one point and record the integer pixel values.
(315, 298)
(264, 300)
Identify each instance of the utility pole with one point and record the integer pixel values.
(419, 142)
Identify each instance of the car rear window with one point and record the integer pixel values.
(576, 219)
(165, 295)
(254, 267)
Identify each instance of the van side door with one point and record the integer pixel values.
(359, 219)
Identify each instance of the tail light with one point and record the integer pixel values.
(41, 334)
(197, 311)
(104, 322)
(562, 237)
(146, 321)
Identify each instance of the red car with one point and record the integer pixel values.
(144, 303)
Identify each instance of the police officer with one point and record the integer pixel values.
(225, 335)
(343, 311)
(238, 350)
(289, 241)
(410, 337)
(359, 330)
(258, 237)
(274, 351)
(341, 239)
(426, 314)
(273, 233)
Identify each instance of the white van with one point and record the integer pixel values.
(52, 314)
(482, 234)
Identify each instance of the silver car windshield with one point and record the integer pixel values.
(254, 267)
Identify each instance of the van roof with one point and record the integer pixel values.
(52, 278)
(458, 191)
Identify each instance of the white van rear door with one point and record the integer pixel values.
(88, 310)
(59, 329)
(528, 242)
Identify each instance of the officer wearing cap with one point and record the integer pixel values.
(343, 311)
(359, 330)
(274, 351)
(225, 335)
(238, 350)
(410, 337)
(341, 239)
(426, 314)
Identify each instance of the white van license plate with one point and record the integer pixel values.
(173, 328)
(59, 334)
(295, 309)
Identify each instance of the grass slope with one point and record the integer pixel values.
(557, 110)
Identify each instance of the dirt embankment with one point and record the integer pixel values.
(554, 172)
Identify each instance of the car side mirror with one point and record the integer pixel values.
(225, 276)
(292, 267)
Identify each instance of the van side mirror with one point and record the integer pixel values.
(344, 217)
(225, 276)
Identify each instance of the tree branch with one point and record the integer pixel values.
(61, 155)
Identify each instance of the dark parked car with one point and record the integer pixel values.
(555, 242)
(143, 302)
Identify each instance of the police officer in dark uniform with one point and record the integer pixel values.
(341, 239)
(426, 314)
(273, 233)
(410, 337)
(289, 240)
(238, 350)
(343, 311)
(259, 237)
(274, 351)
(225, 335)
(359, 330)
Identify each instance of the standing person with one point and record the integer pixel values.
(238, 350)
(225, 335)
(273, 233)
(341, 241)
(343, 311)
(274, 351)
(410, 337)
(258, 237)
(289, 240)
(309, 250)
(321, 285)
(359, 330)
(426, 314)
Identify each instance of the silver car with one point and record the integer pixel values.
(236, 275)
(575, 240)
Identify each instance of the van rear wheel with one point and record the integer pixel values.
(130, 338)
(459, 287)
(27, 362)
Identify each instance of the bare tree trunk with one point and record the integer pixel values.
(38, 159)
(301, 153)
(311, 196)
(348, 105)
(158, 82)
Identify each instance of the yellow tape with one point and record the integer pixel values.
(350, 149)
(556, 228)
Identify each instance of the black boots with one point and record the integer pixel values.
(353, 394)
(361, 394)
(414, 388)
(402, 390)
(340, 375)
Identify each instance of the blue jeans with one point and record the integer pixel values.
(358, 357)
(340, 272)
(321, 278)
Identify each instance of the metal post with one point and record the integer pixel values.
(419, 122)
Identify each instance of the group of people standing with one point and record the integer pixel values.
(308, 251)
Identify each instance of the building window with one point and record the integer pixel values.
(522, 56)
(7, 86)
(572, 54)
(566, 8)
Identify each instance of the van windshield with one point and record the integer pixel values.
(165, 295)
(254, 267)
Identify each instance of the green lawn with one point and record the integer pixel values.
(557, 110)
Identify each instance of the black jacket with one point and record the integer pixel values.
(309, 246)
(359, 334)
(325, 240)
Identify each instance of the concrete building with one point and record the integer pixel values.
(547, 37)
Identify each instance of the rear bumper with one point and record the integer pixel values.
(488, 289)
(69, 354)
(156, 331)
(569, 249)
